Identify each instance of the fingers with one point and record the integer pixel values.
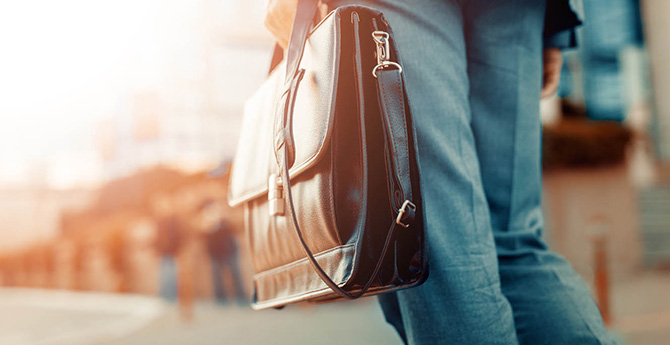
(552, 61)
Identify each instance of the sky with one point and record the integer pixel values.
(67, 65)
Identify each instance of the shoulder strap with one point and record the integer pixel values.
(392, 109)
(302, 24)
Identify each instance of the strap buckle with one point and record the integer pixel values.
(406, 214)
(381, 38)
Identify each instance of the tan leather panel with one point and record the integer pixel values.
(298, 280)
(312, 122)
(273, 240)
(254, 157)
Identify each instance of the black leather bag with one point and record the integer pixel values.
(326, 166)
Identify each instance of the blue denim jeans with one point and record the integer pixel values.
(473, 72)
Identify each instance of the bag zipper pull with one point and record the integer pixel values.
(275, 196)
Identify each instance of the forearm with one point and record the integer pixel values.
(279, 18)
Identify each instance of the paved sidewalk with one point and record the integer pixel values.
(52, 317)
(48, 317)
(640, 308)
(359, 323)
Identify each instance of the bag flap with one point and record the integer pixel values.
(312, 116)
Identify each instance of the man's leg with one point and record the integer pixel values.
(551, 305)
(461, 302)
(168, 278)
(234, 266)
(391, 309)
(217, 279)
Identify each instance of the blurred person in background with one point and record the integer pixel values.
(223, 252)
(167, 243)
(610, 27)
(185, 203)
(475, 71)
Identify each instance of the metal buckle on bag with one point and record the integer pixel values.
(381, 38)
(404, 210)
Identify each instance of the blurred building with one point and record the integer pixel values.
(655, 197)
(613, 180)
(218, 53)
(209, 57)
(33, 215)
(656, 33)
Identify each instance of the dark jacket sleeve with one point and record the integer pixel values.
(559, 25)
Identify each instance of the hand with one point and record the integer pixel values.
(552, 61)
(279, 18)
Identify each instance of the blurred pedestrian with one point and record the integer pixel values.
(223, 252)
(610, 27)
(167, 243)
(475, 71)
(185, 211)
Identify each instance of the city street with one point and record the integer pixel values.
(138, 170)
(337, 324)
(41, 317)
(35, 317)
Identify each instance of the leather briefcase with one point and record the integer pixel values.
(326, 166)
